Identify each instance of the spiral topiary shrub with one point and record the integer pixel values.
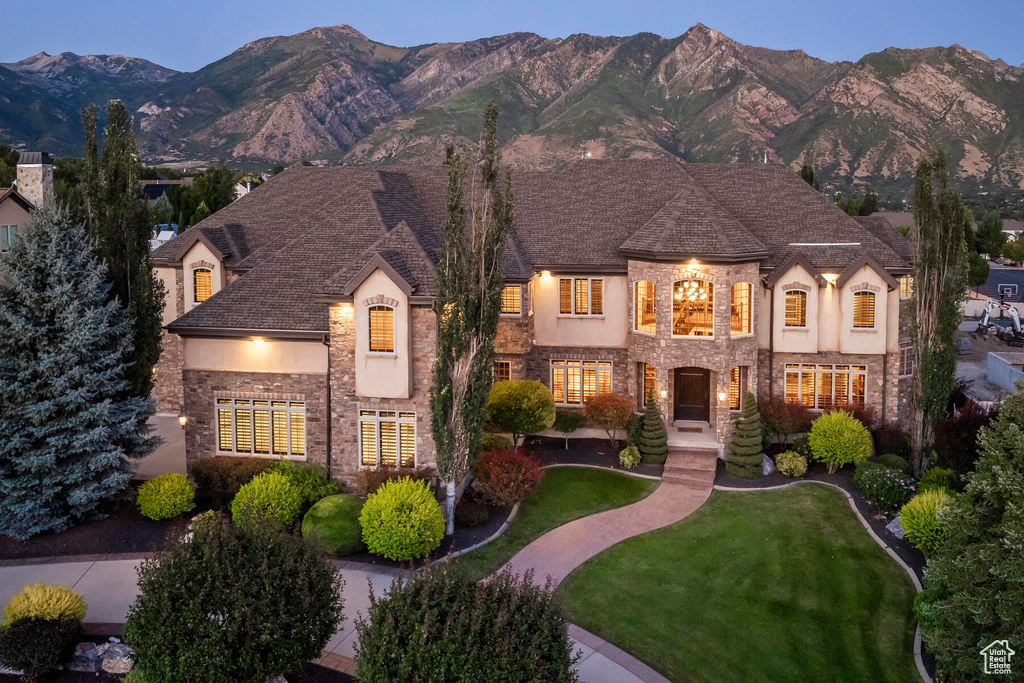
(884, 487)
(402, 520)
(43, 601)
(919, 520)
(166, 496)
(791, 464)
(744, 457)
(270, 495)
(838, 438)
(335, 520)
(629, 457)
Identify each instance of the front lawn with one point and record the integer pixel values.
(565, 494)
(776, 585)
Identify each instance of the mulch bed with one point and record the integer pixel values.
(552, 451)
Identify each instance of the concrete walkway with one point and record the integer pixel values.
(686, 484)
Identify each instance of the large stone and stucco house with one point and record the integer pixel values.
(34, 188)
(300, 320)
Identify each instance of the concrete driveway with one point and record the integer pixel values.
(170, 457)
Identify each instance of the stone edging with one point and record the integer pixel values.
(499, 532)
(616, 655)
(892, 553)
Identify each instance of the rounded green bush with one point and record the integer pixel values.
(494, 442)
(838, 438)
(309, 480)
(895, 462)
(269, 495)
(938, 478)
(791, 464)
(43, 601)
(166, 496)
(402, 520)
(335, 520)
(919, 520)
(629, 457)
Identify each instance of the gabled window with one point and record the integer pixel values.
(387, 438)
(906, 286)
(8, 233)
(202, 284)
(262, 427)
(693, 308)
(796, 308)
(580, 296)
(511, 300)
(864, 309)
(740, 316)
(382, 329)
(644, 316)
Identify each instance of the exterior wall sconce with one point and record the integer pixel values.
(545, 273)
(721, 395)
(183, 420)
(664, 393)
(257, 341)
(830, 278)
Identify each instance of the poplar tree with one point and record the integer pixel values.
(67, 428)
(940, 286)
(470, 278)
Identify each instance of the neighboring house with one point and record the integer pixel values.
(162, 234)
(303, 322)
(33, 187)
(152, 190)
(244, 188)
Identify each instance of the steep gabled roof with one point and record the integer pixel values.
(12, 194)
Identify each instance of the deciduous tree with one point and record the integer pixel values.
(991, 237)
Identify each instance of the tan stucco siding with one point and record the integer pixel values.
(382, 375)
(11, 213)
(167, 277)
(264, 355)
(199, 256)
(797, 339)
(863, 340)
(607, 330)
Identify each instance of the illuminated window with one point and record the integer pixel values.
(906, 359)
(502, 370)
(202, 284)
(382, 329)
(261, 427)
(7, 235)
(906, 286)
(511, 300)
(645, 379)
(739, 319)
(864, 309)
(580, 296)
(737, 387)
(693, 308)
(796, 308)
(822, 387)
(387, 438)
(644, 316)
(574, 382)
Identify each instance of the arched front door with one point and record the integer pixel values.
(692, 394)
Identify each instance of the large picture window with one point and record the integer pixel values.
(864, 309)
(822, 387)
(580, 296)
(202, 284)
(387, 438)
(693, 308)
(511, 300)
(796, 308)
(263, 427)
(740, 316)
(382, 329)
(574, 382)
(644, 316)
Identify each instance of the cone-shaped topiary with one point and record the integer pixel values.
(743, 456)
(653, 443)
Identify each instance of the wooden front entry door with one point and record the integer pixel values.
(692, 394)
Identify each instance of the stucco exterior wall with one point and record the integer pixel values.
(798, 339)
(199, 256)
(382, 375)
(553, 329)
(262, 355)
(864, 340)
(11, 213)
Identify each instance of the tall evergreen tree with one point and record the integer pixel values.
(869, 204)
(807, 173)
(470, 278)
(743, 455)
(653, 444)
(991, 237)
(119, 222)
(940, 285)
(67, 429)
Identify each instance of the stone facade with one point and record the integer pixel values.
(537, 364)
(167, 382)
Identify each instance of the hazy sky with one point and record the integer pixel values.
(188, 34)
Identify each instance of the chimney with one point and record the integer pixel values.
(35, 178)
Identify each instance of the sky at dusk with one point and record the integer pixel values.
(188, 34)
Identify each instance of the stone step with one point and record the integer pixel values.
(697, 462)
(689, 482)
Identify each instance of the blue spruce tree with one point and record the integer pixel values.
(66, 421)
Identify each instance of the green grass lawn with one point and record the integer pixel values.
(565, 494)
(772, 586)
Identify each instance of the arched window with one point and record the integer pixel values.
(693, 308)
(382, 329)
(796, 308)
(644, 317)
(740, 316)
(864, 309)
(202, 284)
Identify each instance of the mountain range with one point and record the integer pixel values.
(332, 95)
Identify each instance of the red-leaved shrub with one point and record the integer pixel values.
(507, 476)
(865, 414)
(785, 418)
(890, 438)
(956, 437)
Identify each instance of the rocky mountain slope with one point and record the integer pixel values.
(331, 94)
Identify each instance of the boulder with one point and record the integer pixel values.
(767, 466)
(117, 659)
(895, 529)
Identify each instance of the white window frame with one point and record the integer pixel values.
(636, 309)
(517, 314)
(599, 366)
(234, 407)
(807, 306)
(572, 297)
(906, 282)
(750, 311)
(364, 415)
(906, 349)
(816, 369)
(11, 234)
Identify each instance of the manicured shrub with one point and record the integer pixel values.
(956, 437)
(520, 407)
(885, 488)
(838, 438)
(502, 629)
(918, 519)
(802, 446)
(38, 646)
(653, 442)
(335, 521)
(784, 419)
(233, 603)
(610, 412)
(507, 477)
(471, 512)
(224, 476)
(864, 414)
(370, 480)
(166, 496)
(890, 438)
(402, 520)
(269, 495)
(895, 462)
(634, 430)
(743, 455)
(791, 464)
(309, 480)
(43, 601)
(566, 422)
(629, 457)
(493, 442)
(938, 479)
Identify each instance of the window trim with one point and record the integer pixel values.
(874, 311)
(506, 363)
(369, 331)
(512, 314)
(636, 307)
(398, 420)
(750, 310)
(817, 369)
(233, 407)
(599, 366)
(906, 350)
(572, 297)
(785, 305)
(906, 282)
(699, 337)
(195, 284)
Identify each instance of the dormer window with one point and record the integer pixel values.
(796, 308)
(202, 284)
(864, 310)
(382, 329)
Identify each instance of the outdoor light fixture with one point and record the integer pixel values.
(721, 395)
(830, 278)
(258, 341)
(545, 273)
(183, 420)
(664, 393)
